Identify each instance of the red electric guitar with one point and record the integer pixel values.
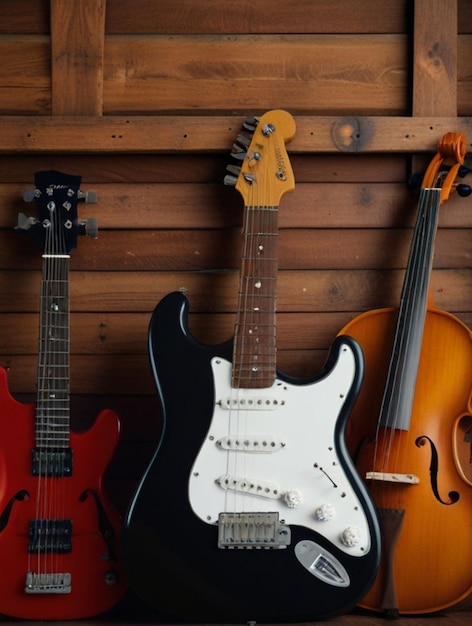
(58, 532)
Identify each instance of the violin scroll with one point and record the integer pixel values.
(446, 165)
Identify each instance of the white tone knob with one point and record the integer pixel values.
(293, 498)
(325, 512)
(351, 536)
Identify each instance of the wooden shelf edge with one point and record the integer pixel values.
(186, 133)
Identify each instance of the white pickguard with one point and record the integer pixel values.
(272, 450)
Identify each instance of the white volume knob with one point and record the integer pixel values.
(293, 498)
(325, 512)
(351, 536)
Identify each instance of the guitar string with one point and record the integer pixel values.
(246, 303)
(42, 485)
(256, 291)
(54, 361)
(63, 382)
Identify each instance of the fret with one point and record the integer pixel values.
(43, 411)
(53, 442)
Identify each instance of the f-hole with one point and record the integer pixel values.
(433, 472)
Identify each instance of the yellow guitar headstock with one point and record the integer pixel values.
(265, 173)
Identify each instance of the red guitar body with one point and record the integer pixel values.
(96, 581)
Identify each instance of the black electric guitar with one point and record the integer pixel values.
(251, 508)
(59, 533)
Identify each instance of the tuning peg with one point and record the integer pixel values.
(90, 227)
(414, 182)
(233, 169)
(24, 222)
(89, 197)
(230, 180)
(463, 190)
(250, 123)
(243, 140)
(30, 194)
(238, 153)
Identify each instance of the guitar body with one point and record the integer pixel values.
(96, 580)
(170, 543)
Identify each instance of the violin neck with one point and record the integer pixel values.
(403, 369)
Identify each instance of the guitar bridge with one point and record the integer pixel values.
(252, 531)
(48, 583)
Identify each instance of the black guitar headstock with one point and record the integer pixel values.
(56, 227)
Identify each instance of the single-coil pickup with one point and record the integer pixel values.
(259, 488)
(250, 403)
(250, 443)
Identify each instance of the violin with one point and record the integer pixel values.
(410, 430)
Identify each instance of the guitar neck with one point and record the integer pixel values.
(53, 405)
(254, 353)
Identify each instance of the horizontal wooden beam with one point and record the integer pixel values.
(182, 133)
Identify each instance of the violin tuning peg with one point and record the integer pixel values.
(463, 190)
(414, 182)
(463, 171)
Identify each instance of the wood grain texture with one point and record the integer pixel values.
(298, 16)
(216, 250)
(27, 16)
(236, 73)
(77, 49)
(435, 55)
(190, 133)
(25, 81)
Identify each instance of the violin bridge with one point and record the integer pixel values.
(390, 477)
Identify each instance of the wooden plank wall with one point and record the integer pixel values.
(145, 103)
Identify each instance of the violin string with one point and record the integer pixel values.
(409, 329)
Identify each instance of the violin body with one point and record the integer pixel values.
(431, 560)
